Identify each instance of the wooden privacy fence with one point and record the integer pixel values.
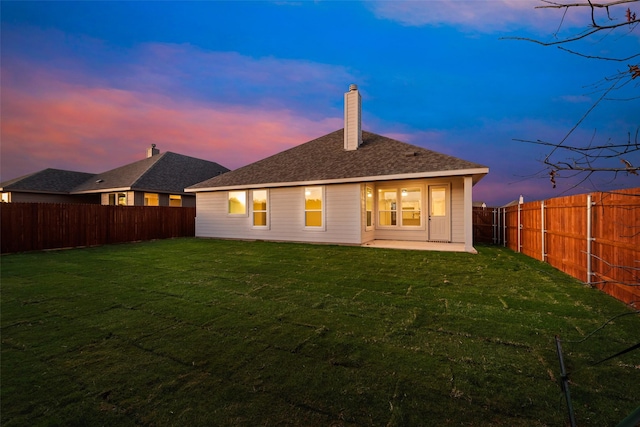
(593, 237)
(37, 226)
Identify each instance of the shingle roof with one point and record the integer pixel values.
(325, 159)
(47, 181)
(166, 172)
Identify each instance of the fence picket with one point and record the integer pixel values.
(38, 226)
(596, 241)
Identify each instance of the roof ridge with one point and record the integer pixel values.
(194, 158)
(158, 157)
(325, 159)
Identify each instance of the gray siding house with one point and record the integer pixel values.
(47, 186)
(157, 180)
(348, 187)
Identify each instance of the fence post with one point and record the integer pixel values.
(520, 202)
(589, 240)
(494, 226)
(542, 229)
(504, 227)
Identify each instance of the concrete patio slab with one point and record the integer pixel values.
(416, 246)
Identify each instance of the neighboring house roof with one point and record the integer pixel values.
(56, 181)
(325, 160)
(166, 172)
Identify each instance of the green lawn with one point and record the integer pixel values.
(195, 332)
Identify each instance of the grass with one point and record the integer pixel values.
(206, 332)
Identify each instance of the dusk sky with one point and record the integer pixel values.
(88, 86)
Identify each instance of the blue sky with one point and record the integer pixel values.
(88, 86)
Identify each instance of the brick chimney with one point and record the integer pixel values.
(152, 151)
(352, 118)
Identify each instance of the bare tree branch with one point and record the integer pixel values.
(631, 20)
(578, 37)
(555, 5)
(599, 57)
(629, 270)
(580, 162)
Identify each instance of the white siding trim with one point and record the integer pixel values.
(418, 175)
(468, 215)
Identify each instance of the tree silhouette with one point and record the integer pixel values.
(613, 156)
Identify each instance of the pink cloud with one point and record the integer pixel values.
(59, 110)
(73, 126)
(221, 106)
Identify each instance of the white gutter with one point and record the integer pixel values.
(104, 190)
(116, 190)
(438, 174)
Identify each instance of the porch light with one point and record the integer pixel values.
(404, 192)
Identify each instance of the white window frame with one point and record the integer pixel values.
(402, 211)
(399, 211)
(266, 211)
(367, 187)
(116, 198)
(246, 208)
(379, 223)
(323, 211)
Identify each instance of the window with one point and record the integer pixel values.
(438, 202)
(175, 200)
(151, 199)
(387, 207)
(237, 203)
(5, 198)
(369, 206)
(313, 207)
(400, 207)
(410, 201)
(260, 208)
(119, 199)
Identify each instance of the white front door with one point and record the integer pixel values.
(439, 217)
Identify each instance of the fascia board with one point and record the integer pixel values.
(141, 190)
(417, 175)
(103, 190)
(12, 190)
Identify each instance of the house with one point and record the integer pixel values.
(348, 187)
(47, 186)
(157, 180)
